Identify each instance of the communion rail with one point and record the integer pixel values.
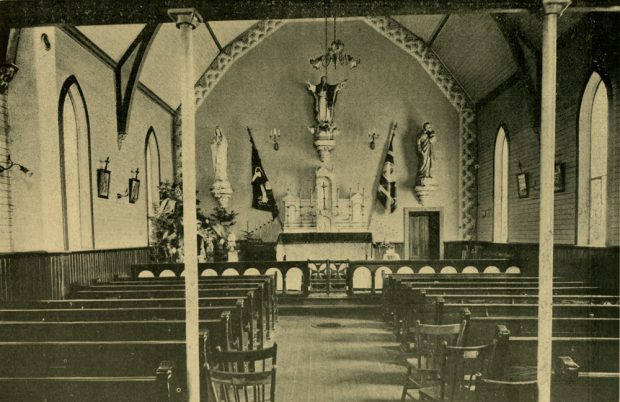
(303, 277)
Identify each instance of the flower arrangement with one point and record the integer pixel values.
(167, 227)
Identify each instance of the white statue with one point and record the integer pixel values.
(325, 96)
(219, 153)
(231, 246)
(221, 189)
(231, 242)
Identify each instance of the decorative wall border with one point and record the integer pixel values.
(414, 46)
(218, 67)
(418, 49)
(231, 53)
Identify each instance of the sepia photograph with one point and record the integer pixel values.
(313, 201)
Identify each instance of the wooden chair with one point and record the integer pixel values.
(460, 368)
(243, 376)
(429, 340)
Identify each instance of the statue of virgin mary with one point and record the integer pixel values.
(221, 190)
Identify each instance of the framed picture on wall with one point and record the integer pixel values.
(523, 188)
(134, 190)
(559, 177)
(103, 183)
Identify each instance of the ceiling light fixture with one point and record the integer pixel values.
(334, 53)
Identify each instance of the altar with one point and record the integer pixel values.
(327, 225)
(324, 246)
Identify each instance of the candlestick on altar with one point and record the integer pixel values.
(337, 196)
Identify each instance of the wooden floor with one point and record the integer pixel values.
(358, 362)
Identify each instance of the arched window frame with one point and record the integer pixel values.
(501, 169)
(151, 145)
(72, 92)
(589, 233)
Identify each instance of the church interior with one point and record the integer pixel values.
(396, 200)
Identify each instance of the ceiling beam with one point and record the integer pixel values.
(510, 31)
(25, 13)
(127, 74)
(438, 29)
(217, 42)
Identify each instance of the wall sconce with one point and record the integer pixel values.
(11, 164)
(103, 180)
(133, 188)
(275, 136)
(373, 136)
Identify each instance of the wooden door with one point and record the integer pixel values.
(424, 235)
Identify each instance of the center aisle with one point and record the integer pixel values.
(357, 362)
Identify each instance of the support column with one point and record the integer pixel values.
(186, 20)
(552, 9)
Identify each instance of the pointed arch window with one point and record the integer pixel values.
(153, 178)
(500, 188)
(592, 190)
(75, 161)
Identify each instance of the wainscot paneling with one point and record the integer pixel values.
(40, 275)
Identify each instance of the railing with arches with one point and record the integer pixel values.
(302, 277)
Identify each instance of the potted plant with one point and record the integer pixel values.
(167, 232)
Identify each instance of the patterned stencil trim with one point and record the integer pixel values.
(231, 53)
(416, 47)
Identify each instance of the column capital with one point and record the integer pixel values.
(185, 16)
(555, 6)
(7, 72)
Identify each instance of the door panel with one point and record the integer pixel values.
(424, 235)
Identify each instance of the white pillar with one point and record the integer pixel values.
(553, 9)
(186, 20)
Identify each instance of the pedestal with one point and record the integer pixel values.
(425, 188)
(233, 256)
(222, 192)
(324, 142)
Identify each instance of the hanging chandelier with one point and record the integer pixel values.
(334, 53)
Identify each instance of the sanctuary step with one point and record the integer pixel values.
(335, 304)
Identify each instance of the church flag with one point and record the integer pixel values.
(262, 194)
(386, 193)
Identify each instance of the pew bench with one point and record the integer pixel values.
(241, 325)
(112, 331)
(92, 371)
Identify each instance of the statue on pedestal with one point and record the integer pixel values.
(325, 96)
(221, 189)
(425, 183)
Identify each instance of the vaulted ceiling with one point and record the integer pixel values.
(481, 50)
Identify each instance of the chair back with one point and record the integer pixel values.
(461, 367)
(243, 376)
(430, 340)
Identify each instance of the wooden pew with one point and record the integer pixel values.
(453, 311)
(584, 369)
(112, 330)
(240, 322)
(225, 301)
(101, 371)
(260, 302)
(479, 328)
(473, 290)
(269, 281)
(261, 284)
